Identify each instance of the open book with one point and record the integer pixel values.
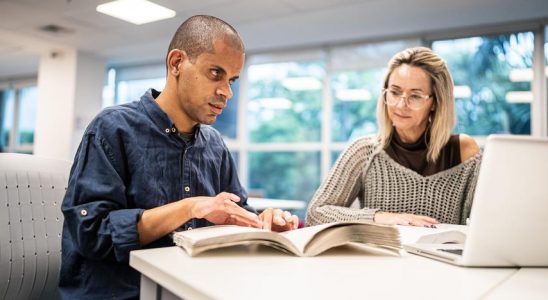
(308, 241)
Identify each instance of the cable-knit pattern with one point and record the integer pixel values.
(366, 172)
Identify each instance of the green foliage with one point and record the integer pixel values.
(483, 64)
(486, 71)
(4, 138)
(299, 123)
(26, 137)
(352, 119)
(285, 175)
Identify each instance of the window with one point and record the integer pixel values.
(285, 101)
(284, 175)
(293, 113)
(357, 73)
(492, 76)
(284, 127)
(355, 96)
(132, 90)
(18, 118)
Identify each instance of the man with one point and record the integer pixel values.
(147, 168)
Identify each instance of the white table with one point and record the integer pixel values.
(244, 273)
(532, 281)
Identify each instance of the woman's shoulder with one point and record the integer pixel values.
(468, 147)
(365, 143)
(359, 151)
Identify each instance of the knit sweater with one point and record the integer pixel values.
(367, 172)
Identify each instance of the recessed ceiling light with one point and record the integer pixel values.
(136, 11)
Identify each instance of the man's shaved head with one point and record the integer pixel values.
(198, 33)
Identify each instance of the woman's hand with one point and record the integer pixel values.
(404, 219)
(278, 220)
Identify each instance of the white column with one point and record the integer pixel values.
(70, 85)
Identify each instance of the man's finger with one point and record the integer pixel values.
(237, 220)
(229, 196)
(233, 209)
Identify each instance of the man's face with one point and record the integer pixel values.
(204, 86)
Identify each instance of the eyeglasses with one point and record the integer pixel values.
(414, 101)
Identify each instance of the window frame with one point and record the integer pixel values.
(326, 147)
(16, 86)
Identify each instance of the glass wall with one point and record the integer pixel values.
(285, 101)
(293, 113)
(18, 119)
(492, 76)
(284, 175)
(284, 110)
(6, 109)
(357, 72)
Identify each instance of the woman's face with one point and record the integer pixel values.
(409, 82)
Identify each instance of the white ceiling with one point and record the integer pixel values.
(264, 25)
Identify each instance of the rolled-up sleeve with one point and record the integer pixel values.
(98, 218)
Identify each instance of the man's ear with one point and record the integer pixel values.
(175, 58)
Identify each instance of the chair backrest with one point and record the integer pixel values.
(31, 222)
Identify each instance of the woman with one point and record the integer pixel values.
(414, 172)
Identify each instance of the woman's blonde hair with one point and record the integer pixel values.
(442, 118)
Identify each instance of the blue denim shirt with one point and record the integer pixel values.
(131, 158)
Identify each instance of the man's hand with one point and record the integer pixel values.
(222, 210)
(404, 219)
(278, 220)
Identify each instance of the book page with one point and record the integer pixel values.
(302, 236)
(202, 239)
(195, 235)
(365, 233)
(313, 240)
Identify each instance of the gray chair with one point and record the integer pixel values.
(31, 222)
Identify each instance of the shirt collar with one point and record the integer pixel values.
(160, 118)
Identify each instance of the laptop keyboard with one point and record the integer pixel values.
(454, 251)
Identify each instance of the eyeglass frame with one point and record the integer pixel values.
(405, 97)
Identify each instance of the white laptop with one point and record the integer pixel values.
(509, 217)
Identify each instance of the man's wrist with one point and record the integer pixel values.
(187, 208)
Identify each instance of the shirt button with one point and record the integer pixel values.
(187, 189)
(167, 130)
(189, 228)
(84, 212)
(173, 129)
